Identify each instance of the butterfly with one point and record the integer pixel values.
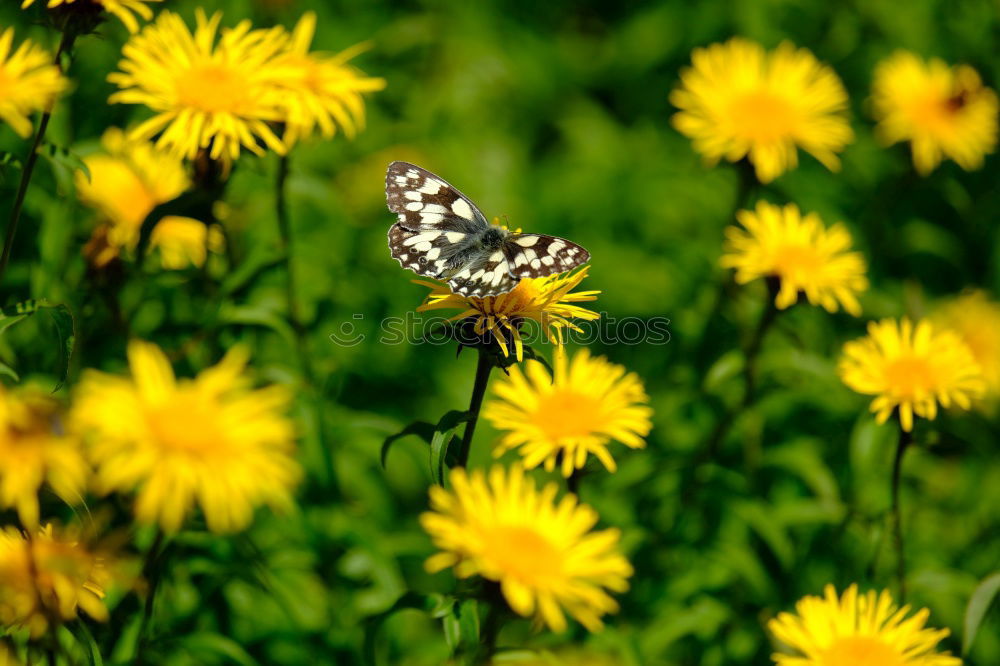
(441, 234)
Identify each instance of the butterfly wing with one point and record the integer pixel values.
(539, 255)
(432, 253)
(423, 201)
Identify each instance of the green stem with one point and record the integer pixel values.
(285, 231)
(905, 439)
(152, 570)
(492, 624)
(483, 367)
(65, 44)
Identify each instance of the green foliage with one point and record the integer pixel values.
(553, 116)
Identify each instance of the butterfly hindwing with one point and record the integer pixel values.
(538, 255)
(485, 275)
(432, 253)
(423, 201)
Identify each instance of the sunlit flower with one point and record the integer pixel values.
(737, 100)
(211, 441)
(976, 319)
(125, 183)
(804, 255)
(944, 112)
(123, 9)
(210, 94)
(545, 300)
(321, 91)
(47, 577)
(543, 553)
(34, 451)
(29, 82)
(858, 630)
(587, 403)
(912, 369)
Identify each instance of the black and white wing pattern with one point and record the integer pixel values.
(441, 234)
(425, 202)
(538, 255)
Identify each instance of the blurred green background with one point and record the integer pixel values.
(554, 115)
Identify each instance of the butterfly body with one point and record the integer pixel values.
(441, 234)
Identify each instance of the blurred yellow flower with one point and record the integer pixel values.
(128, 180)
(945, 112)
(123, 9)
(546, 300)
(911, 368)
(8, 657)
(33, 452)
(208, 94)
(543, 554)
(976, 319)
(857, 630)
(47, 577)
(29, 82)
(805, 256)
(737, 100)
(320, 90)
(585, 405)
(211, 441)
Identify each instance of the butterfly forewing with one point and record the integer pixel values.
(422, 200)
(441, 234)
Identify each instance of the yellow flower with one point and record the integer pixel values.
(29, 82)
(943, 111)
(320, 90)
(545, 300)
(738, 100)
(543, 554)
(976, 319)
(47, 577)
(211, 441)
(121, 8)
(217, 97)
(805, 256)
(857, 630)
(128, 180)
(912, 368)
(588, 403)
(33, 452)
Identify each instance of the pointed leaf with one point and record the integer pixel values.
(979, 603)
(421, 429)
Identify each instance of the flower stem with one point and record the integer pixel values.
(152, 570)
(905, 439)
(285, 231)
(65, 44)
(483, 367)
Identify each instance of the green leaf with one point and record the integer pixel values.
(443, 432)
(9, 372)
(64, 157)
(461, 627)
(979, 603)
(207, 642)
(83, 636)
(65, 325)
(430, 603)
(422, 429)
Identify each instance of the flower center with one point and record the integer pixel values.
(860, 651)
(523, 553)
(186, 425)
(567, 414)
(212, 88)
(795, 261)
(760, 115)
(909, 375)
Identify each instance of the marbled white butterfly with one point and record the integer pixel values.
(442, 234)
